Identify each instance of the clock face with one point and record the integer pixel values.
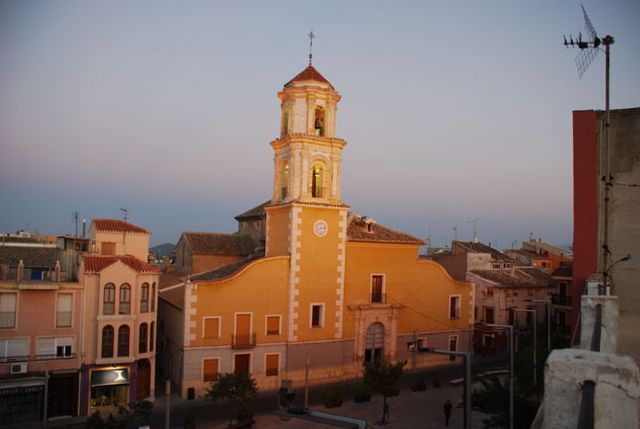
(320, 228)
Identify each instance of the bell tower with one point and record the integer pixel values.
(308, 155)
(306, 219)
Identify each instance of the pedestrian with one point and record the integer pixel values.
(447, 412)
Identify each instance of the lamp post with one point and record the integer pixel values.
(535, 318)
(467, 378)
(511, 372)
(548, 304)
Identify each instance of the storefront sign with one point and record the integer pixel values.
(110, 377)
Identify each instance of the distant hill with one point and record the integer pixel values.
(163, 249)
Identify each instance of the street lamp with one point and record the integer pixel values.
(511, 392)
(467, 378)
(548, 304)
(535, 318)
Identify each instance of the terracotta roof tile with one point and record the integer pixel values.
(173, 295)
(222, 272)
(366, 230)
(518, 277)
(97, 263)
(220, 243)
(309, 74)
(117, 225)
(472, 247)
(563, 271)
(528, 254)
(32, 257)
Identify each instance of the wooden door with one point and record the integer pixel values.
(243, 330)
(242, 362)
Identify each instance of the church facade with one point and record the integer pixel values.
(327, 291)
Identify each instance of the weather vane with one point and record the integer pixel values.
(311, 37)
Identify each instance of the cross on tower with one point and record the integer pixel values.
(311, 37)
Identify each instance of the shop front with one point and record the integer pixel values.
(109, 389)
(22, 399)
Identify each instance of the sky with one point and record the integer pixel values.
(453, 111)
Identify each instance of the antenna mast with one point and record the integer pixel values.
(588, 51)
(126, 212)
(475, 229)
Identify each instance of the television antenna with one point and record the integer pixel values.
(125, 213)
(475, 228)
(588, 51)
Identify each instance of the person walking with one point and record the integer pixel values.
(447, 412)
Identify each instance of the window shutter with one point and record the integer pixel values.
(211, 327)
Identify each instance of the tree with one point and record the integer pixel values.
(238, 390)
(383, 376)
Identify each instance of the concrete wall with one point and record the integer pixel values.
(624, 225)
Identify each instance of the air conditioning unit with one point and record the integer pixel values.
(19, 368)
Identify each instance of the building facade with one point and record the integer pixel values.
(332, 290)
(40, 332)
(118, 351)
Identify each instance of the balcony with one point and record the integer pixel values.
(378, 298)
(561, 300)
(55, 356)
(9, 359)
(244, 341)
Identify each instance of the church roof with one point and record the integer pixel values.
(366, 230)
(117, 225)
(225, 271)
(256, 212)
(309, 74)
(97, 263)
(219, 243)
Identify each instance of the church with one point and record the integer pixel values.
(323, 291)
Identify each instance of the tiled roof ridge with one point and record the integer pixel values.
(117, 225)
(225, 271)
(97, 263)
(379, 233)
(309, 74)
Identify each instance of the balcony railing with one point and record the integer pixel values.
(378, 298)
(561, 299)
(144, 306)
(7, 319)
(125, 307)
(63, 319)
(243, 341)
(54, 356)
(8, 359)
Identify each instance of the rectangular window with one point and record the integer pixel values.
(64, 347)
(209, 369)
(453, 346)
(211, 327)
(51, 348)
(377, 281)
(64, 311)
(454, 307)
(316, 315)
(273, 325)
(8, 310)
(108, 248)
(272, 364)
(488, 315)
(487, 341)
(14, 349)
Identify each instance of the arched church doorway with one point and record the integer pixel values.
(374, 344)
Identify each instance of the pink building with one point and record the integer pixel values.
(77, 340)
(120, 307)
(40, 332)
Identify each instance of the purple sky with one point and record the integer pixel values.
(452, 110)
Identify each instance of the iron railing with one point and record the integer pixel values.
(243, 341)
(17, 358)
(52, 356)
